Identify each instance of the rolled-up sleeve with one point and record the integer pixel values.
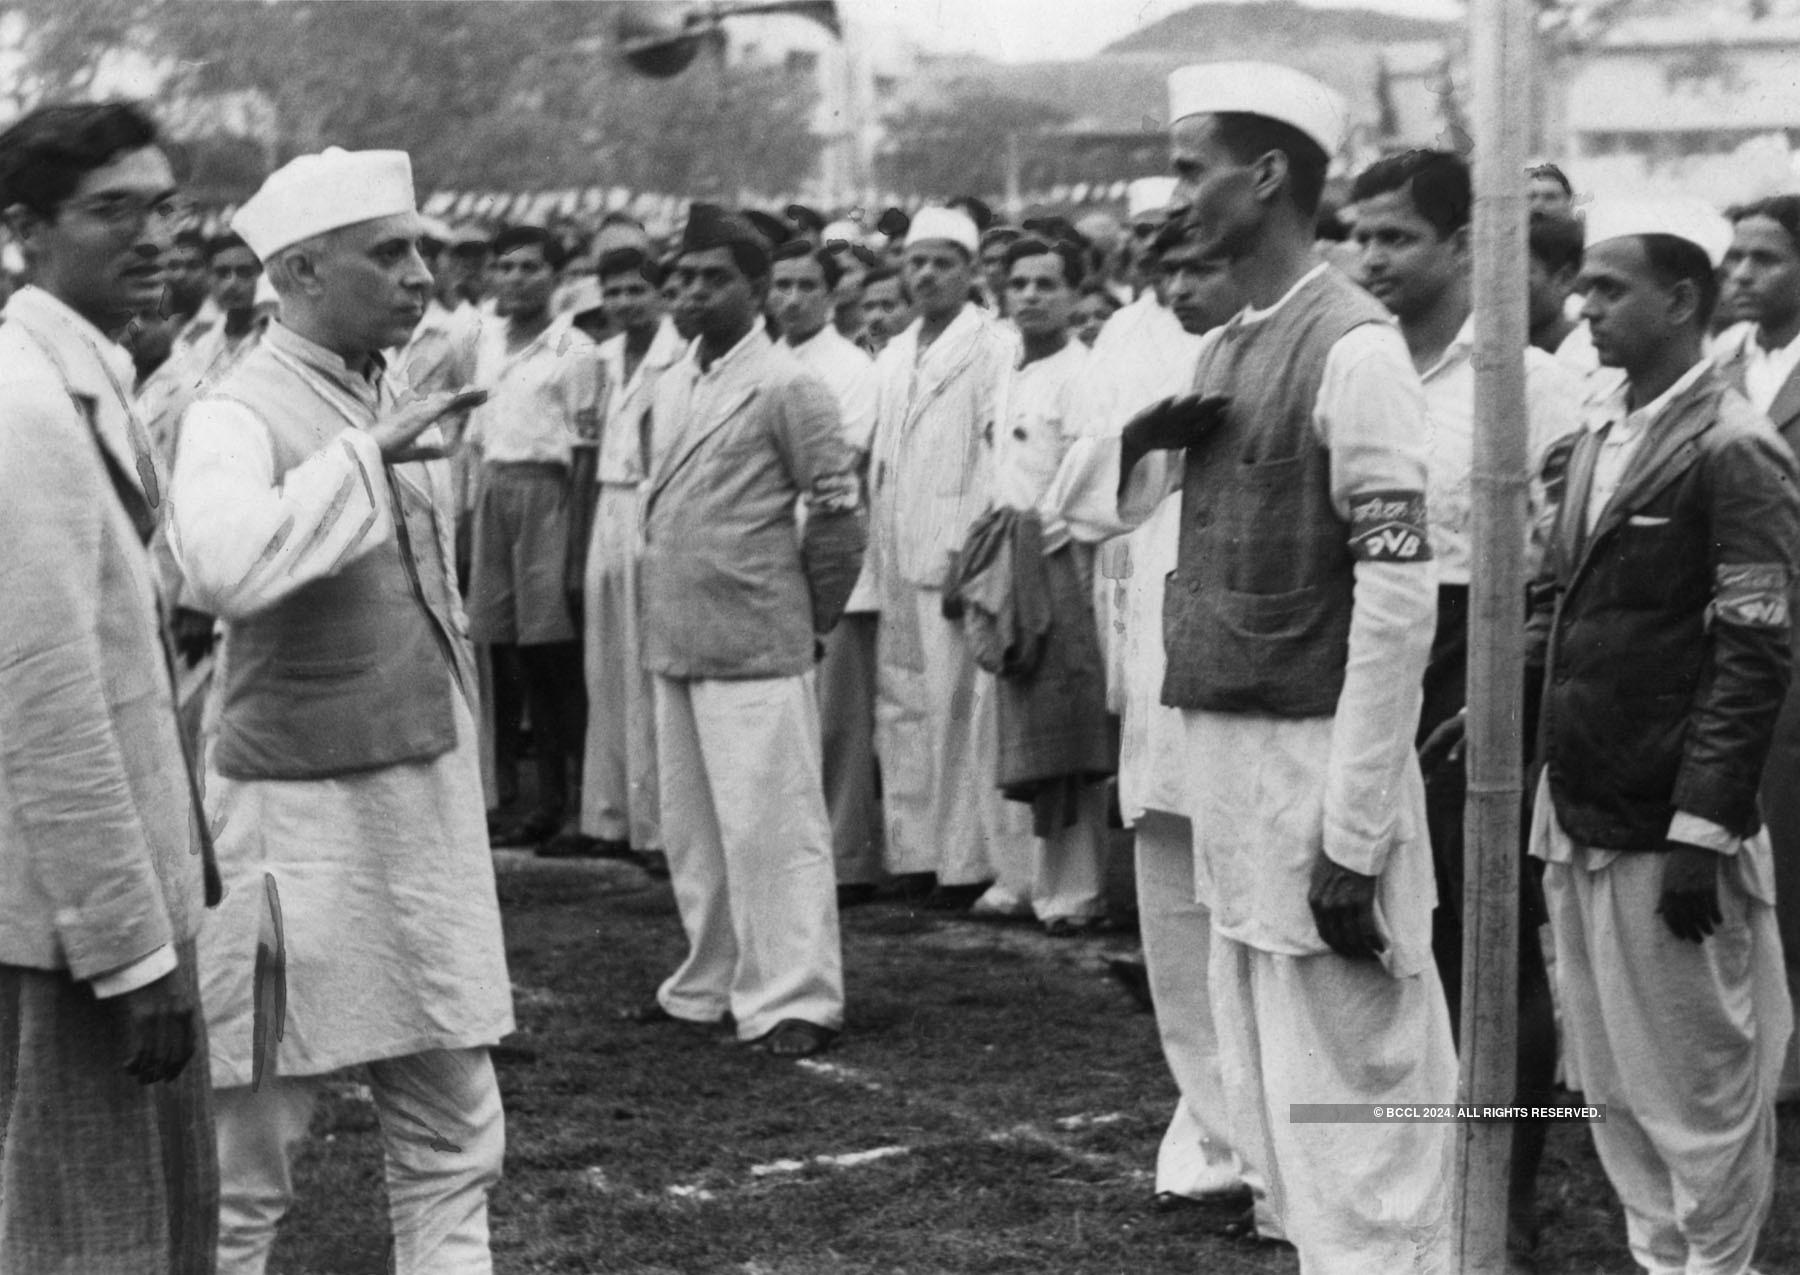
(246, 540)
(1371, 413)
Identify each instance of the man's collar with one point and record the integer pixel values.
(1460, 350)
(107, 365)
(315, 356)
(1616, 407)
(746, 343)
(1250, 314)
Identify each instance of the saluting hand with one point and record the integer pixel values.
(397, 432)
(1343, 907)
(1690, 893)
(1169, 425)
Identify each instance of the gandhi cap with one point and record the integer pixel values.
(1690, 219)
(710, 226)
(1267, 89)
(948, 224)
(315, 193)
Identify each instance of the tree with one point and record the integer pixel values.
(961, 144)
(482, 93)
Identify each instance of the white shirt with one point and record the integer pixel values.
(542, 400)
(1622, 431)
(625, 435)
(850, 376)
(1766, 371)
(1035, 424)
(1553, 398)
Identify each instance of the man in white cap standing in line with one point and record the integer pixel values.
(1297, 623)
(1663, 615)
(343, 780)
(930, 478)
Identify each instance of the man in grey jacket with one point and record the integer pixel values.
(733, 598)
(106, 1137)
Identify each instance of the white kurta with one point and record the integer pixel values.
(386, 882)
(1267, 796)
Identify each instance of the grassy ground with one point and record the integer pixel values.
(999, 1099)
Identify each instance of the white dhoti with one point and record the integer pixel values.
(846, 678)
(444, 1138)
(1356, 1199)
(619, 799)
(1684, 1044)
(1196, 1156)
(936, 736)
(749, 850)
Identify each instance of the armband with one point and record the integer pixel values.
(1389, 526)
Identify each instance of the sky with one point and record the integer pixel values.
(1043, 30)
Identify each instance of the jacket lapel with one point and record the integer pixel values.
(692, 432)
(1784, 412)
(1578, 489)
(1669, 448)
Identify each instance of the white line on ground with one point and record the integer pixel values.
(848, 1160)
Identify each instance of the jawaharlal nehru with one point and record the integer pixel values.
(360, 925)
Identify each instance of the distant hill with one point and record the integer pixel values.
(1236, 27)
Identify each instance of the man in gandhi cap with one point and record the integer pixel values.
(1663, 618)
(1297, 623)
(938, 384)
(360, 924)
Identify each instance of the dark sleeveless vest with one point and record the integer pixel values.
(1256, 617)
(355, 671)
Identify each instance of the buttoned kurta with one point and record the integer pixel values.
(385, 880)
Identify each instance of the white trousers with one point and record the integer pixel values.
(1062, 876)
(1354, 1198)
(743, 810)
(935, 736)
(619, 798)
(1196, 1157)
(1683, 1042)
(444, 1136)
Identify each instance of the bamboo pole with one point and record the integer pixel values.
(1500, 40)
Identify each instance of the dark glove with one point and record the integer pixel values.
(1343, 908)
(1690, 893)
(1175, 423)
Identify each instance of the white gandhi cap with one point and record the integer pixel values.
(947, 224)
(1690, 219)
(1261, 88)
(315, 193)
(1148, 195)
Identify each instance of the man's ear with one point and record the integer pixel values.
(1462, 239)
(1684, 302)
(25, 223)
(1268, 175)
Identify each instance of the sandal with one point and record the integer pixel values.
(797, 1038)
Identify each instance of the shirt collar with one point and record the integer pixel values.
(1614, 408)
(1460, 350)
(1753, 348)
(1250, 314)
(327, 363)
(742, 352)
(95, 363)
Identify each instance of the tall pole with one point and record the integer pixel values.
(1500, 42)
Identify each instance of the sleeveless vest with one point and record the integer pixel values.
(1256, 616)
(346, 673)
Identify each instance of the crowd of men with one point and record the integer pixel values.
(812, 563)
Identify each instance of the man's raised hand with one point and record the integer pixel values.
(397, 433)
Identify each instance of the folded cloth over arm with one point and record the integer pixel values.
(1029, 620)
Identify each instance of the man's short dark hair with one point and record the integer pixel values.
(1437, 182)
(1674, 259)
(634, 261)
(188, 237)
(225, 242)
(1550, 172)
(45, 155)
(1783, 210)
(1555, 239)
(515, 237)
(795, 249)
(1073, 268)
(1249, 137)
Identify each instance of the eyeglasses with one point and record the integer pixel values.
(130, 213)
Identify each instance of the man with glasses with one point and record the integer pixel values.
(106, 1136)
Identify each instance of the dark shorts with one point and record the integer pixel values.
(520, 551)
